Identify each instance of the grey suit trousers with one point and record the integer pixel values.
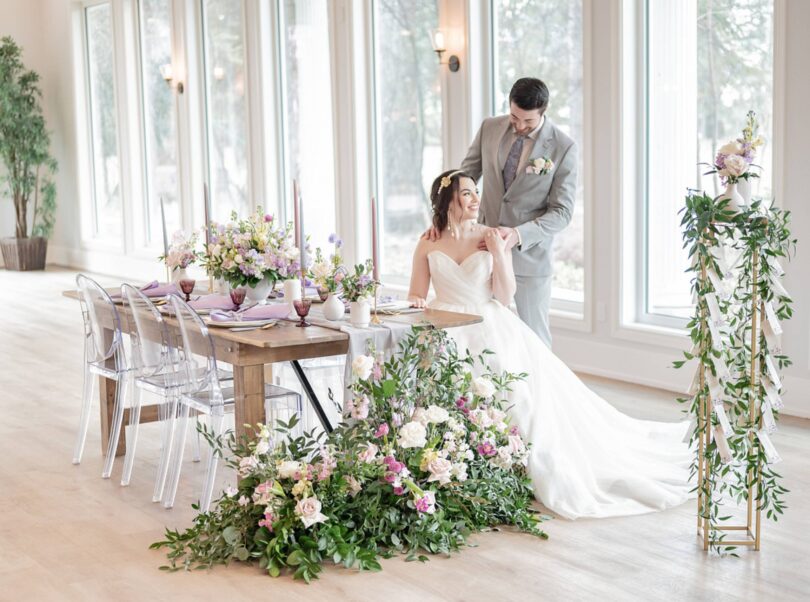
(533, 300)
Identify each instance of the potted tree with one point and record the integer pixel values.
(27, 162)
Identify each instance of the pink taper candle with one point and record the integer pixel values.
(296, 229)
(375, 252)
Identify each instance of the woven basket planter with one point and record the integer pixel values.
(23, 254)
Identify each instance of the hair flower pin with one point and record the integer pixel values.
(447, 180)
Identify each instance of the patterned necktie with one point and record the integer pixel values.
(511, 165)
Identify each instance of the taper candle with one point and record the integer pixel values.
(375, 252)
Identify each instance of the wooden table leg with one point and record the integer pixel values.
(248, 382)
(106, 390)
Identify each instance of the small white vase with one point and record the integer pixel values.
(360, 313)
(179, 274)
(744, 188)
(736, 203)
(292, 291)
(259, 291)
(333, 308)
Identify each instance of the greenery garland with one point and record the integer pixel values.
(758, 236)
(424, 457)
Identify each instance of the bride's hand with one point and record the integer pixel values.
(432, 234)
(508, 234)
(418, 302)
(494, 242)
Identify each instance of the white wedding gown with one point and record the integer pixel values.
(587, 458)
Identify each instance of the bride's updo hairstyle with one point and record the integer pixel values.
(441, 196)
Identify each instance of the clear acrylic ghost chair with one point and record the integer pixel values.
(104, 357)
(155, 372)
(203, 391)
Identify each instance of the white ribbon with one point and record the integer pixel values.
(772, 372)
(722, 445)
(690, 431)
(771, 455)
(722, 418)
(772, 319)
(715, 386)
(767, 416)
(775, 265)
(721, 368)
(780, 290)
(773, 340)
(722, 286)
(693, 388)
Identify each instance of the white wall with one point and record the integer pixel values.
(44, 29)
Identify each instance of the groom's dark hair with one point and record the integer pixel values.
(529, 93)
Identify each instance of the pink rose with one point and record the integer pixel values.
(309, 511)
(382, 430)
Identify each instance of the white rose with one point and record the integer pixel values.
(483, 387)
(288, 468)
(320, 270)
(420, 415)
(516, 445)
(736, 165)
(480, 418)
(436, 415)
(369, 454)
(362, 366)
(262, 447)
(439, 470)
(309, 509)
(413, 434)
(503, 459)
(731, 148)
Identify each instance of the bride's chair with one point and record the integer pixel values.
(202, 390)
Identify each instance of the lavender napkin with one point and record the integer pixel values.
(213, 302)
(153, 289)
(257, 312)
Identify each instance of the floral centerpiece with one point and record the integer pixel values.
(327, 274)
(735, 159)
(359, 285)
(252, 252)
(425, 457)
(181, 252)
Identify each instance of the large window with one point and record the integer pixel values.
(106, 166)
(544, 40)
(308, 132)
(159, 120)
(707, 63)
(408, 115)
(226, 107)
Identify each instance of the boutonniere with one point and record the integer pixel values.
(540, 166)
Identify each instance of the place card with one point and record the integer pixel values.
(715, 386)
(772, 372)
(716, 321)
(773, 394)
(722, 418)
(722, 445)
(768, 421)
(772, 319)
(771, 455)
(773, 340)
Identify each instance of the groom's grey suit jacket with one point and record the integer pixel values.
(538, 206)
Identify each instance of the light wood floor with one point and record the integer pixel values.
(66, 534)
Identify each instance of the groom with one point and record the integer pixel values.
(530, 177)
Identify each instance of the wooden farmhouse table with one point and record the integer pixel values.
(251, 353)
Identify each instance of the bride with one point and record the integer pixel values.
(587, 458)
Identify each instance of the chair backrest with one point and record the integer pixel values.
(148, 334)
(195, 351)
(100, 318)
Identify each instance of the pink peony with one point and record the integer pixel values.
(382, 430)
(399, 490)
(486, 449)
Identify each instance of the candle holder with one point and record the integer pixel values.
(187, 286)
(375, 318)
(302, 309)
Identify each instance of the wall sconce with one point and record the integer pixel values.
(437, 41)
(167, 73)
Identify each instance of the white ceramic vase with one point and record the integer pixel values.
(333, 308)
(736, 203)
(179, 274)
(360, 313)
(259, 292)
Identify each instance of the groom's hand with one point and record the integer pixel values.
(510, 235)
(432, 234)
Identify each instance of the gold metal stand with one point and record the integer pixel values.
(752, 532)
(375, 318)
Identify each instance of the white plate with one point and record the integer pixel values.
(235, 323)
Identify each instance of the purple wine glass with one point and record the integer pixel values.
(238, 296)
(302, 309)
(187, 286)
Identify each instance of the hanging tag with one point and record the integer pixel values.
(773, 340)
(773, 394)
(772, 319)
(768, 421)
(690, 431)
(715, 386)
(721, 285)
(777, 287)
(771, 455)
(715, 320)
(775, 266)
(772, 372)
(722, 445)
(722, 418)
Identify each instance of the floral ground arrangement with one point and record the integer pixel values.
(425, 457)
